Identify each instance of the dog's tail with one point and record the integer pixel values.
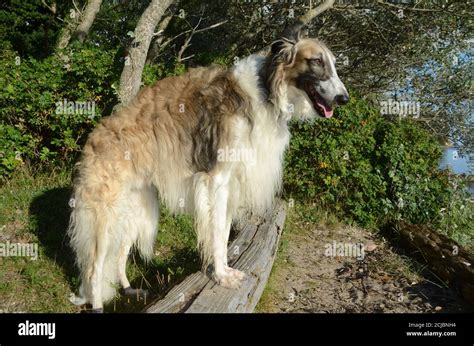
(88, 230)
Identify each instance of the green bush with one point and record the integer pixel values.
(366, 168)
(154, 72)
(456, 218)
(13, 146)
(34, 128)
(407, 158)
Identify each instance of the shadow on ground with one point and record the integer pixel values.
(158, 277)
(49, 214)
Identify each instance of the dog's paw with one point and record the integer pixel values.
(77, 300)
(230, 278)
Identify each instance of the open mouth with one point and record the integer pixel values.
(319, 104)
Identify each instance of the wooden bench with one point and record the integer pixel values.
(253, 251)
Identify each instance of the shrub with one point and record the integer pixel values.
(154, 72)
(32, 125)
(13, 146)
(407, 158)
(366, 168)
(456, 218)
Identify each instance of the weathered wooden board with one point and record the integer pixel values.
(253, 251)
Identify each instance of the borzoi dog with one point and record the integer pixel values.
(167, 142)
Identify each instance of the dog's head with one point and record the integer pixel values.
(306, 69)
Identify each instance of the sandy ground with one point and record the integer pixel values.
(310, 277)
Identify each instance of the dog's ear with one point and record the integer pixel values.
(293, 32)
(284, 51)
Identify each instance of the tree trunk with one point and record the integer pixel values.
(131, 77)
(79, 24)
(443, 255)
(87, 18)
(66, 32)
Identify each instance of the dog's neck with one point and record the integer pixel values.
(257, 77)
(273, 85)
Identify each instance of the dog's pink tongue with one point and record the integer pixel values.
(327, 110)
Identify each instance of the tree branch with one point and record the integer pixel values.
(52, 8)
(381, 2)
(79, 26)
(193, 31)
(158, 41)
(313, 13)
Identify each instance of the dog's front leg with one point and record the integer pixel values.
(224, 275)
(213, 226)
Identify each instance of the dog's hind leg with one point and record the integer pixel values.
(141, 208)
(122, 267)
(102, 235)
(96, 279)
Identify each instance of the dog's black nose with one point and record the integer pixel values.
(341, 99)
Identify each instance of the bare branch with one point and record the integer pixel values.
(212, 26)
(52, 8)
(313, 13)
(158, 39)
(191, 32)
(77, 8)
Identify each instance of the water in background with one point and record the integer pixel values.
(458, 164)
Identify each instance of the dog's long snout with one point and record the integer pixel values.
(341, 99)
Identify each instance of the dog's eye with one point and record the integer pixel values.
(316, 61)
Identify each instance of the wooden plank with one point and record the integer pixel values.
(180, 296)
(253, 251)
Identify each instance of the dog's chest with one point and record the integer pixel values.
(261, 172)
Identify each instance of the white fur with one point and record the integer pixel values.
(269, 138)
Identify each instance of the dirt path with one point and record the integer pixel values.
(310, 277)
